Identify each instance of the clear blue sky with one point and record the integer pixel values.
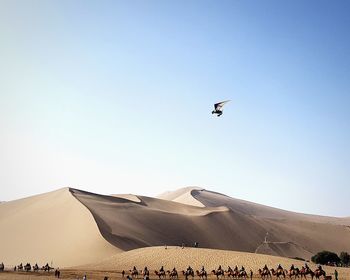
(116, 97)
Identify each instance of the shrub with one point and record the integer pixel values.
(325, 257)
(344, 258)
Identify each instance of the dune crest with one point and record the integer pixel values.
(183, 195)
(130, 197)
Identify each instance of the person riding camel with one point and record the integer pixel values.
(292, 267)
(265, 268)
(279, 267)
(189, 269)
(202, 270)
(161, 269)
(242, 269)
(319, 267)
(134, 268)
(306, 266)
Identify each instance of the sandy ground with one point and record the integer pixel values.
(52, 227)
(155, 257)
(70, 227)
(112, 275)
(221, 222)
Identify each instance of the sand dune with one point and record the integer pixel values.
(73, 227)
(155, 257)
(129, 225)
(52, 227)
(221, 222)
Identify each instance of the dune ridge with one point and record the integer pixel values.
(183, 195)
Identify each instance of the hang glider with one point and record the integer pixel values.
(218, 108)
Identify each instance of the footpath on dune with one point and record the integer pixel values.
(50, 228)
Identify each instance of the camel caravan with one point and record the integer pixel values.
(232, 273)
(292, 273)
(27, 267)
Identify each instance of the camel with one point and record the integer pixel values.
(35, 267)
(279, 273)
(134, 272)
(230, 273)
(27, 267)
(306, 271)
(218, 273)
(202, 274)
(47, 268)
(242, 274)
(161, 274)
(145, 272)
(293, 272)
(173, 274)
(20, 267)
(319, 272)
(188, 272)
(264, 273)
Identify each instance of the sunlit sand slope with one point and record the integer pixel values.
(52, 227)
(155, 257)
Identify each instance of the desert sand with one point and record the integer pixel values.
(219, 222)
(53, 227)
(71, 227)
(155, 257)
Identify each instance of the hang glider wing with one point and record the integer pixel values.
(218, 106)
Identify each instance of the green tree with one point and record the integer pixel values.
(344, 258)
(325, 257)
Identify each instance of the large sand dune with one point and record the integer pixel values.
(53, 227)
(73, 227)
(219, 222)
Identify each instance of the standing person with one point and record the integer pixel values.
(336, 274)
(84, 278)
(251, 274)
